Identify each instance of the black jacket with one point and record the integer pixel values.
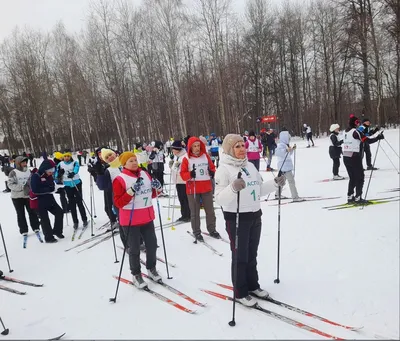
(336, 150)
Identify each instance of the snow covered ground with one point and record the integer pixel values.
(343, 265)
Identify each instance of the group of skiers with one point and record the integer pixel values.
(201, 173)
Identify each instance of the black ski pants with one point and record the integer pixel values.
(336, 165)
(183, 200)
(248, 241)
(58, 213)
(309, 138)
(108, 205)
(132, 237)
(159, 175)
(256, 163)
(74, 195)
(22, 204)
(63, 198)
(355, 170)
(368, 155)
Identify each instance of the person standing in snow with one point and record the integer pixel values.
(285, 164)
(214, 148)
(157, 164)
(42, 186)
(366, 130)
(335, 150)
(58, 157)
(251, 188)
(69, 170)
(254, 148)
(175, 166)
(197, 169)
(271, 145)
(18, 183)
(133, 192)
(141, 155)
(308, 133)
(352, 158)
(7, 167)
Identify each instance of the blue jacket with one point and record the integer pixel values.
(43, 186)
(67, 181)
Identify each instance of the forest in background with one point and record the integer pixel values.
(166, 70)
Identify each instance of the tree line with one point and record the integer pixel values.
(166, 70)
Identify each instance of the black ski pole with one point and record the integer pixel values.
(195, 202)
(277, 280)
(370, 177)
(392, 148)
(114, 299)
(6, 330)
(232, 323)
(87, 209)
(113, 239)
(94, 202)
(390, 160)
(5, 249)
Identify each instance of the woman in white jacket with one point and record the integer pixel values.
(251, 187)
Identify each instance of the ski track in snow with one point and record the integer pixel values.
(343, 265)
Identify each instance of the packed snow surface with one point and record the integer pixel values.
(342, 265)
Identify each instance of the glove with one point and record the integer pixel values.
(280, 180)
(193, 174)
(238, 184)
(138, 184)
(211, 173)
(61, 172)
(71, 175)
(156, 150)
(380, 137)
(294, 146)
(156, 184)
(171, 163)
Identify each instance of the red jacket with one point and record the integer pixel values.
(202, 183)
(122, 198)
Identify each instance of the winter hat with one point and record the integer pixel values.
(305, 125)
(334, 127)
(365, 120)
(46, 165)
(106, 152)
(352, 115)
(229, 142)
(252, 133)
(67, 153)
(125, 156)
(58, 155)
(177, 145)
(353, 121)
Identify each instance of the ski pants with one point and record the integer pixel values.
(132, 236)
(208, 203)
(256, 163)
(355, 170)
(183, 200)
(22, 204)
(159, 175)
(309, 138)
(108, 205)
(336, 165)
(248, 241)
(292, 185)
(368, 155)
(55, 210)
(75, 198)
(63, 199)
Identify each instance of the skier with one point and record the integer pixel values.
(197, 169)
(335, 150)
(285, 164)
(69, 170)
(7, 168)
(141, 155)
(354, 141)
(157, 164)
(58, 157)
(308, 133)
(18, 183)
(175, 166)
(133, 192)
(271, 145)
(84, 156)
(251, 188)
(365, 129)
(254, 148)
(79, 155)
(42, 185)
(214, 148)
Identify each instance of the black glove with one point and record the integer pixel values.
(71, 175)
(374, 131)
(380, 137)
(193, 174)
(61, 172)
(211, 173)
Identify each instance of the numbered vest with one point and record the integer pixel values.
(201, 164)
(253, 146)
(22, 177)
(114, 172)
(214, 143)
(142, 198)
(252, 191)
(68, 168)
(350, 144)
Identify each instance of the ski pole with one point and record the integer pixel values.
(94, 203)
(113, 240)
(390, 160)
(162, 235)
(6, 330)
(369, 181)
(195, 201)
(169, 198)
(173, 202)
(84, 203)
(114, 299)
(294, 163)
(392, 148)
(5, 249)
(232, 323)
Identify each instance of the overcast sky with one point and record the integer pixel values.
(44, 14)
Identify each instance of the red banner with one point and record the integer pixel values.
(268, 119)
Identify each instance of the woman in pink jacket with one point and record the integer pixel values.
(254, 148)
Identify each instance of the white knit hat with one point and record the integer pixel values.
(334, 127)
(229, 142)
